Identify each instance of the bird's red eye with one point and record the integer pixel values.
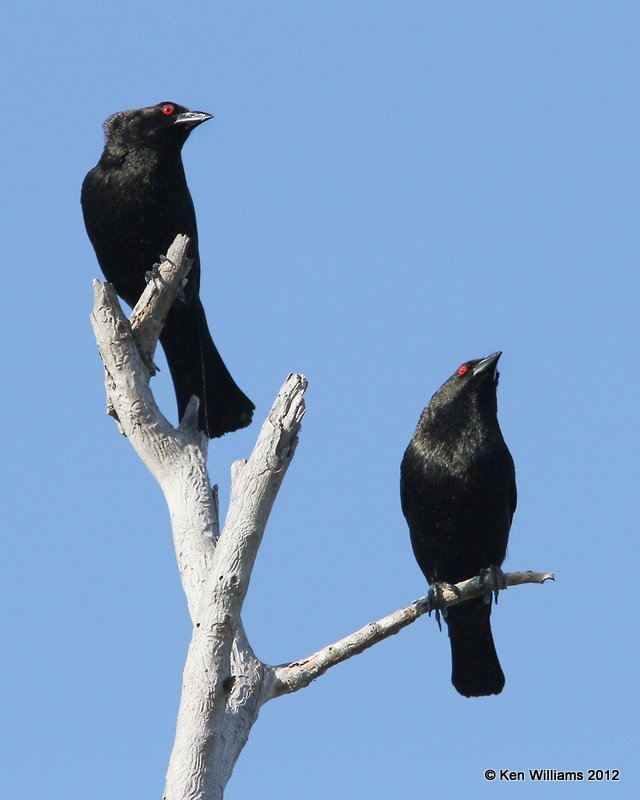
(463, 369)
(168, 109)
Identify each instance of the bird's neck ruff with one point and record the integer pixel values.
(452, 428)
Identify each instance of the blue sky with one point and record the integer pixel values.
(387, 190)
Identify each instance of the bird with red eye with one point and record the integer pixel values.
(135, 201)
(458, 495)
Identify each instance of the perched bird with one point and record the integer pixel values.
(135, 201)
(458, 494)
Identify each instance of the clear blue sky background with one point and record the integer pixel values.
(387, 189)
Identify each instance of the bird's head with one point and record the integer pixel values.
(165, 125)
(474, 383)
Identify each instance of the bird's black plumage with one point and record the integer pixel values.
(135, 201)
(458, 494)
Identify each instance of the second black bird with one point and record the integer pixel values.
(458, 493)
(135, 202)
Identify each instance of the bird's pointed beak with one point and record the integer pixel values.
(488, 364)
(192, 118)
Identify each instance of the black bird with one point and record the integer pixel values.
(135, 201)
(458, 494)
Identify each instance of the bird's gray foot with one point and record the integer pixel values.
(154, 273)
(435, 599)
(497, 579)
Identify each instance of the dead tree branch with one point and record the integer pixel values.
(211, 731)
(224, 683)
(289, 678)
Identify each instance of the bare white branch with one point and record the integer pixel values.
(255, 484)
(219, 706)
(176, 458)
(165, 282)
(289, 678)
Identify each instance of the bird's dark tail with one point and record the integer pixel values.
(475, 669)
(197, 369)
